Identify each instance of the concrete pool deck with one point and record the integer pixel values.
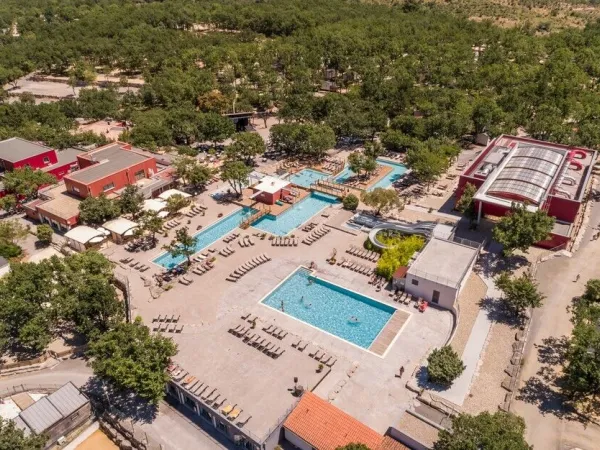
(210, 305)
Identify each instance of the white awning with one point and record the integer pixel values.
(170, 192)
(153, 204)
(270, 185)
(84, 234)
(121, 226)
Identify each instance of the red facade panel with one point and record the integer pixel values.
(35, 162)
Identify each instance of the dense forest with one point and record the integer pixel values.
(410, 72)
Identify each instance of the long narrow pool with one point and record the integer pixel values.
(397, 171)
(207, 236)
(331, 308)
(296, 215)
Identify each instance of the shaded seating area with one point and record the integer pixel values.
(83, 237)
(121, 229)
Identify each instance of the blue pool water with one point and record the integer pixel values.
(397, 171)
(328, 307)
(207, 236)
(306, 177)
(296, 215)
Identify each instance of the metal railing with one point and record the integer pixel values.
(20, 388)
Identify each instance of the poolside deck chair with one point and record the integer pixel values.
(296, 342)
(282, 334)
(268, 347)
(267, 329)
(134, 264)
(234, 414)
(248, 337)
(279, 353)
(302, 346)
(316, 355)
(232, 330)
(230, 278)
(163, 327)
(208, 393)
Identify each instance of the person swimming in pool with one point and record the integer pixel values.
(353, 319)
(302, 299)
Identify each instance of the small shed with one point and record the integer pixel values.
(170, 192)
(121, 229)
(83, 237)
(271, 190)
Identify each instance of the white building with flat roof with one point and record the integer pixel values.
(441, 270)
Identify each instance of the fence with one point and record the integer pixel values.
(29, 362)
(20, 388)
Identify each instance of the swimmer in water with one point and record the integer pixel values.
(302, 299)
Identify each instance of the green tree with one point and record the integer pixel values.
(353, 446)
(97, 210)
(498, 431)
(520, 229)
(131, 201)
(465, 204)
(398, 253)
(9, 203)
(13, 438)
(236, 173)
(519, 293)
(199, 175)
(355, 162)
(177, 202)
(215, 128)
(44, 233)
(245, 147)
(25, 182)
(12, 231)
(350, 202)
(184, 244)
(426, 165)
(383, 200)
(444, 365)
(152, 223)
(133, 359)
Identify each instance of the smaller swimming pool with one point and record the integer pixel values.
(296, 215)
(306, 177)
(330, 307)
(207, 236)
(397, 171)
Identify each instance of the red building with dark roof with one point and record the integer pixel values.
(541, 175)
(17, 153)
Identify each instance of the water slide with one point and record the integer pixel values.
(422, 228)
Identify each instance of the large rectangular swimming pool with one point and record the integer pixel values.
(207, 236)
(296, 215)
(330, 307)
(397, 171)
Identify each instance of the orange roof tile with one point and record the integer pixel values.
(389, 443)
(326, 427)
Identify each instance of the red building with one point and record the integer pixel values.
(16, 153)
(108, 169)
(541, 175)
(105, 170)
(271, 190)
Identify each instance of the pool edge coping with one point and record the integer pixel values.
(313, 272)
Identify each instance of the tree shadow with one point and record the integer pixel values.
(498, 312)
(422, 378)
(125, 404)
(491, 265)
(552, 350)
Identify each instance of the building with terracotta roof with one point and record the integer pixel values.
(541, 175)
(317, 424)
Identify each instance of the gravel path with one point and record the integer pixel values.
(468, 302)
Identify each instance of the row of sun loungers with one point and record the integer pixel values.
(363, 253)
(257, 341)
(315, 235)
(168, 327)
(231, 237)
(284, 242)
(171, 224)
(357, 267)
(275, 331)
(246, 241)
(299, 344)
(167, 318)
(135, 264)
(309, 226)
(404, 298)
(227, 251)
(185, 280)
(195, 210)
(322, 357)
(203, 268)
(247, 267)
(209, 395)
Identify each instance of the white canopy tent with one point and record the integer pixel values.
(80, 237)
(170, 192)
(120, 228)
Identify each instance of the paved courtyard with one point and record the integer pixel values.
(360, 382)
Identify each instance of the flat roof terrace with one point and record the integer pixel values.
(110, 159)
(244, 376)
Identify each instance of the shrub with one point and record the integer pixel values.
(350, 202)
(444, 365)
(398, 253)
(44, 233)
(9, 250)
